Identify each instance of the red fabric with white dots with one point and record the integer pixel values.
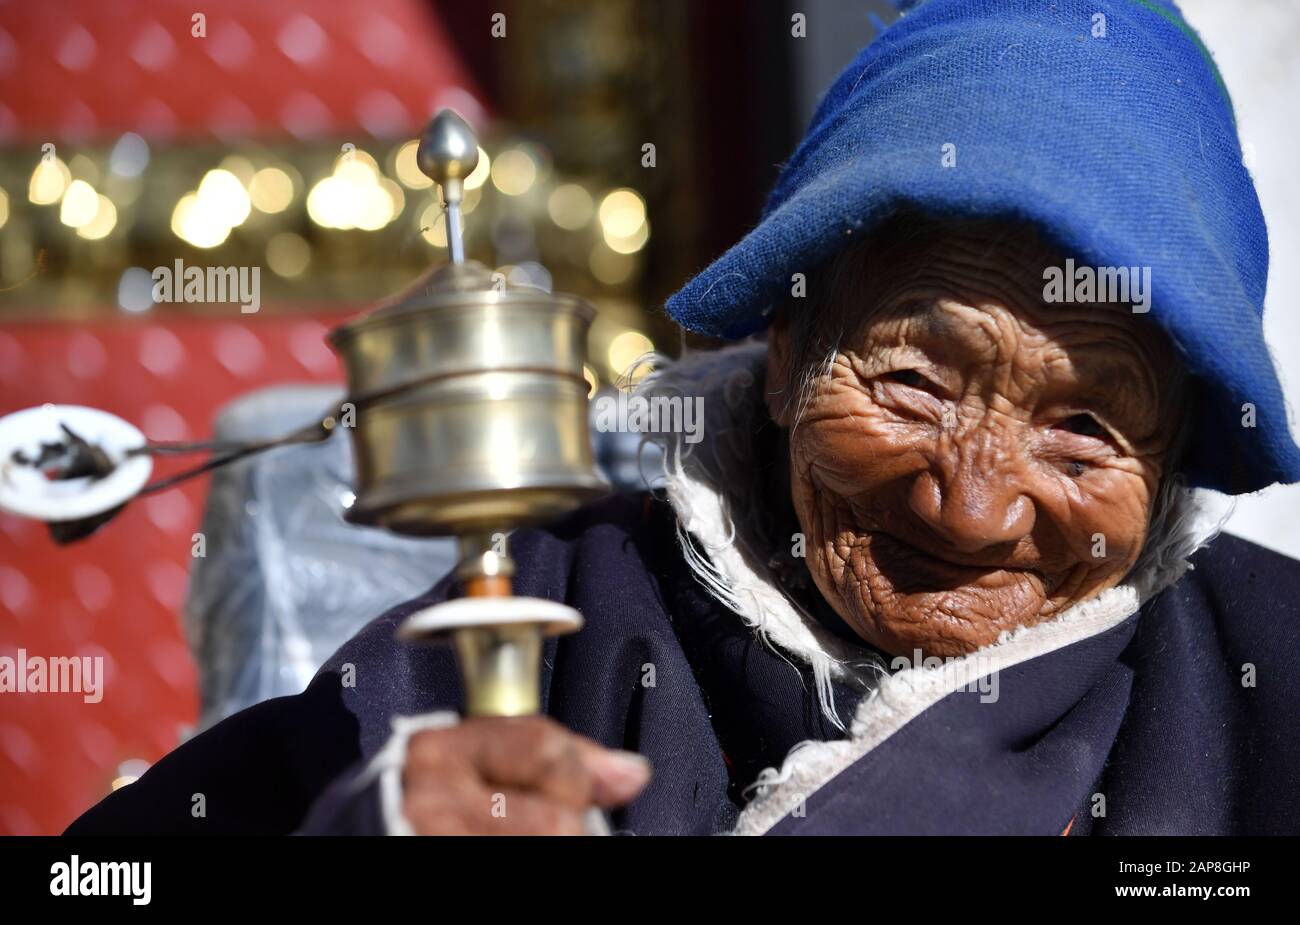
(119, 593)
(77, 69)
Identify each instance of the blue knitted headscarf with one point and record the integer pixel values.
(1121, 147)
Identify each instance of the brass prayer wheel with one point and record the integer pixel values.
(471, 406)
(471, 420)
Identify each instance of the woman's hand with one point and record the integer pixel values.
(524, 775)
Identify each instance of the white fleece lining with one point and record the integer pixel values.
(721, 567)
(695, 488)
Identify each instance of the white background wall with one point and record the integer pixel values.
(1256, 44)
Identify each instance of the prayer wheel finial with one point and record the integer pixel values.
(448, 153)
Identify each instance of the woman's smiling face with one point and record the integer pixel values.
(973, 460)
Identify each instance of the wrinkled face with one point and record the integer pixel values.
(975, 459)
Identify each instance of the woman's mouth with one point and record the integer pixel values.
(910, 568)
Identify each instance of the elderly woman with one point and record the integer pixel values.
(929, 570)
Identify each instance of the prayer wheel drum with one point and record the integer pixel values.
(470, 406)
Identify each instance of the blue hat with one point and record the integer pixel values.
(1113, 135)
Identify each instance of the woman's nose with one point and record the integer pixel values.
(975, 497)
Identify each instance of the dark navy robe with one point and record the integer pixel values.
(1152, 714)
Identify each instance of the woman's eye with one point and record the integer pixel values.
(912, 379)
(1083, 424)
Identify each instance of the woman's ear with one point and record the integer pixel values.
(781, 403)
